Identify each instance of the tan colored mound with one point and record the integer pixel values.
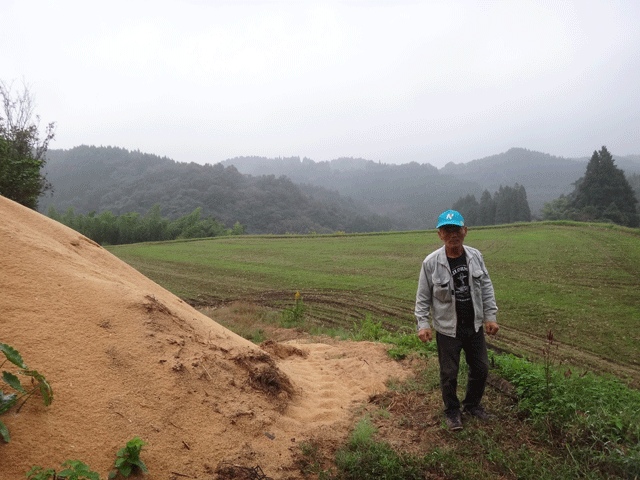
(126, 358)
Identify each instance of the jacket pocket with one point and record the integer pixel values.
(476, 289)
(477, 276)
(442, 288)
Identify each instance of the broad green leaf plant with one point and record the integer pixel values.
(129, 459)
(76, 470)
(8, 400)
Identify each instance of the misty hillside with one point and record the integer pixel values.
(98, 179)
(279, 195)
(413, 193)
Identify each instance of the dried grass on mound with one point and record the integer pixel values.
(265, 376)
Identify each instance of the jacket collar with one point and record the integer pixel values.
(441, 255)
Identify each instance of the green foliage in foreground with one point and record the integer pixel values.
(587, 426)
(596, 418)
(110, 229)
(404, 340)
(39, 383)
(127, 461)
(76, 470)
(363, 458)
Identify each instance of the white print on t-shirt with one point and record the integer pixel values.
(461, 283)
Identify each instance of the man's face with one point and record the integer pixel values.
(452, 235)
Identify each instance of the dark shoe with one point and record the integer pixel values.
(479, 412)
(454, 420)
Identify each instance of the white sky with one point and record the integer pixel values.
(425, 81)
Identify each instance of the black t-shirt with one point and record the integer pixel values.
(462, 291)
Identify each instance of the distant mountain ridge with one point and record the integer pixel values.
(345, 193)
(418, 192)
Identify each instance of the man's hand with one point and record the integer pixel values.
(425, 335)
(491, 328)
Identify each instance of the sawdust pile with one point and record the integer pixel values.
(126, 358)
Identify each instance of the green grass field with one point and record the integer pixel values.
(581, 281)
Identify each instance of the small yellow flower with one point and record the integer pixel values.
(297, 296)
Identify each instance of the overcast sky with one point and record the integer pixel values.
(396, 81)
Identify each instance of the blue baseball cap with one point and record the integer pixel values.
(450, 217)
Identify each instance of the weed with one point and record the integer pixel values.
(596, 419)
(312, 461)
(129, 459)
(363, 433)
(292, 317)
(368, 330)
(9, 400)
(382, 413)
(76, 470)
(256, 336)
(549, 350)
(363, 458)
(404, 340)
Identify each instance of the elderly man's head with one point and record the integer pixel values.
(451, 228)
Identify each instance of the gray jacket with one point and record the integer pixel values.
(435, 300)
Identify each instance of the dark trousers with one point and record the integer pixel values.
(475, 353)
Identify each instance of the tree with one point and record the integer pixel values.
(504, 204)
(468, 208)
(605, 193)
(22, 152)
(558, 209)
(508, 205)
(523, 212)
(486, 209)
(634, 182)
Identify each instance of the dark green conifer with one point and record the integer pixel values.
(605, 193)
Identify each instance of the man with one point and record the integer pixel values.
(455, 293)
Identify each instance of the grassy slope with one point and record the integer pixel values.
(580, 281)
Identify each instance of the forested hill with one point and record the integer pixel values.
(98, 179)
(413, 193)
(279, 195)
